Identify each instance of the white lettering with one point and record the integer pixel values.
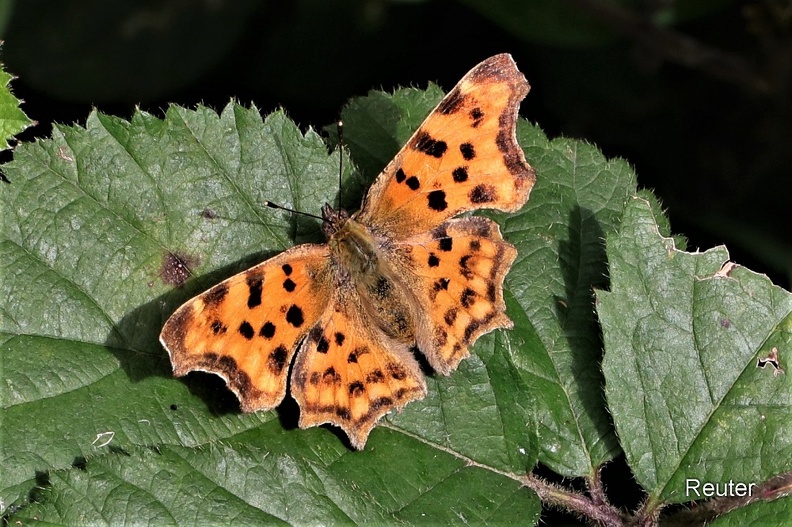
(694, 488)
(692, 485)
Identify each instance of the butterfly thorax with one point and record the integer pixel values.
(361, 265)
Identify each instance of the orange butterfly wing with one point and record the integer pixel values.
(246, 329)
(459, 269)
(349, 373)
(464, 156)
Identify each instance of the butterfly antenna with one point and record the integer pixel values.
(340, 126)
(287, 209)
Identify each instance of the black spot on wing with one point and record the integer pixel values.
(294, 316)
(467, 151)
(396, 371)
(425, 143)
(463, 266)
(380, 403)
(277, 359)
(452, 103)
(267, 330)
(491, 291)
(255, 284)
(216, 294)
(246, 330)
(289, 285)
(437, 200)
(375, 376)
(483, 193)
(356, 389)
(474, 325)
(512, 155)
(468, 297)
(477, 116)
(330, 376)
(440, 337)
(460, 174)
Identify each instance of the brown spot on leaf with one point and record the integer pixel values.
(175, 268)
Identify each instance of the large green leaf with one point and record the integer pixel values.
(271, 477)
(682, 339)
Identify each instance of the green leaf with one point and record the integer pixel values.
(577, 202)
(92, 219)
(682, 339)
(281, 481)
(12, 119)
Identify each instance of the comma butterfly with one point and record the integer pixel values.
(397, 275)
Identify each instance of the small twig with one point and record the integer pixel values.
(647, 514)
(556, 496)
(597, 489)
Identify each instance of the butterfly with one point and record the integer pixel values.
(401, 275)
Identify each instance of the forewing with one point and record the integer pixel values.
(247, 328)
(464, 156)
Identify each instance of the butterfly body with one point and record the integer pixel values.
(400, 274)
(360, 260)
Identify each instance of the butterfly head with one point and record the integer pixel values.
(333, 220)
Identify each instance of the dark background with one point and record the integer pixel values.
(695, 95)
